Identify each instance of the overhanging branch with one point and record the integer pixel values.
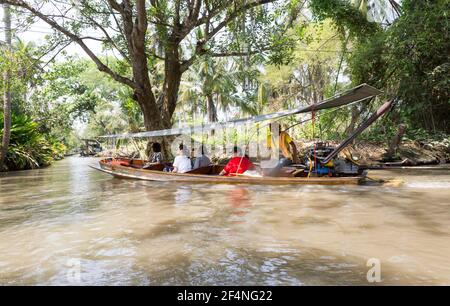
(100, 65)
(200, 48)
(237, 53)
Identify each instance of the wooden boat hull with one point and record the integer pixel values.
(122, 171)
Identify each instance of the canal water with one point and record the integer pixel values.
(71, 225)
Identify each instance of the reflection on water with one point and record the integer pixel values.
(69, 224)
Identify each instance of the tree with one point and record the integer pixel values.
(175, 32)
(216, 84)
(7, 88)
(309, 78)
(27, 146)
(73, 91)
(409, 60)
(351, 21)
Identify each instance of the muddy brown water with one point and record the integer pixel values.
(70, 224)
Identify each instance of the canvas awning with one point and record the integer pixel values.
(356, 94)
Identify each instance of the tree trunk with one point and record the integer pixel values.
(161, 117)
(211, 108)
(172, 80)
(143, 93)
(152, 116)
(150, 111)
(157, 112)
(7, 90)
(355, 116)
(395, 142)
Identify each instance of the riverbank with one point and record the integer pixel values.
(31, 164)
(409, 152)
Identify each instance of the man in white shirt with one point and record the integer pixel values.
(182, 163)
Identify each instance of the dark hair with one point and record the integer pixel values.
(181, 147)
(236, 149)
(156, 147)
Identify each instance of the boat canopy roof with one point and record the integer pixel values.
(356, 94)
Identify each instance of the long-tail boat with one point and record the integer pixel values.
(133, 169)
(321, 172)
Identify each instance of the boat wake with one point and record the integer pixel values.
(428, 185)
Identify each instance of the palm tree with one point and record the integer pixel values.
(212, 85)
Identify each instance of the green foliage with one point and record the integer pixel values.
(346, 16)
(282, 50)
(74, 93)
(368, 62)
(132, 114)
(311, 75)
(294, 60)
(410, 60)
(222, 81)
(29, 148)
(21, 63)
(58, 99)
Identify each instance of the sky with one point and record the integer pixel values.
(39, 30)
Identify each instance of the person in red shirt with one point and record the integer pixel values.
(237, 165)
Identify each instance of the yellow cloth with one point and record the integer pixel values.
(284, 143)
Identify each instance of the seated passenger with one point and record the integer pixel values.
(156, 156)
(201, 160)
(238, 164)
(182, 163)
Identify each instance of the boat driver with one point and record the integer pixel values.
(287, 149)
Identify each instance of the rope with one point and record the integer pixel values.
(310, 167)
(313, 122)
(239, 166)
(246, 146)
(243, 155)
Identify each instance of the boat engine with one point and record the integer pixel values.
(336, 167)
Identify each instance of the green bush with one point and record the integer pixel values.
(410, 60)
(28, 147)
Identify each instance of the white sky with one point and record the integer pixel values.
(36, 33)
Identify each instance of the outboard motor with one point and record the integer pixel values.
(335, 167)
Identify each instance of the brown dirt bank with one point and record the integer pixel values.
(409, 153)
